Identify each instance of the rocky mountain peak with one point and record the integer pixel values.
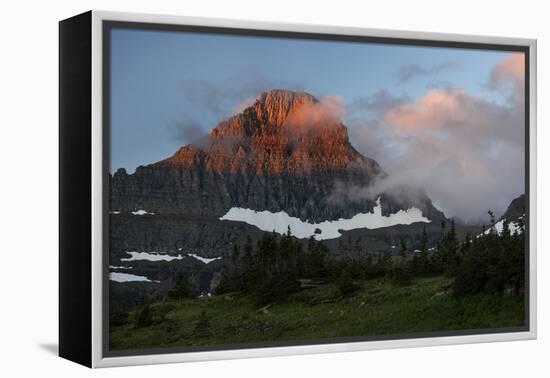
(516, 209)
(282, 131)
(268, 114)
(275, 106)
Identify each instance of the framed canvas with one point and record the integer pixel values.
(237, 189)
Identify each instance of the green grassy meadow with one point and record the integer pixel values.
(378, 307)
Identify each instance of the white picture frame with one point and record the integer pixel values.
(98, 357)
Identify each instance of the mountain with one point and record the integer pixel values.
(277, 135)
(288, 151)
(516, 209)
(514, 216)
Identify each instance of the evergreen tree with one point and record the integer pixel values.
(118, 312)
(492, 217)
(424, 240)
(236, 254)
(402, 247)
(144, 317)
(357, 246)
(492, 262)
(424, 268)
(181, 288)
(505, 234)
(248, 254)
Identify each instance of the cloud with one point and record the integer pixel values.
(215, 100)
(436, 108)
(464, 151)
(411, 71)
(321, 115)
(379, 101)
(393, 186)
(511, 68)
(509, 77)
(188, 130)
(221, 98)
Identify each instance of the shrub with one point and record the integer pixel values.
(273, 288)
(401, 274)
(159, 311)
(202, 325)
(346, 286)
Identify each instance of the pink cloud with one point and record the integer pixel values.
(325, 114)
(508, 77)
(512, 67)
(434, 109)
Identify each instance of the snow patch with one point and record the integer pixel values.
(203, 259)
(153, 256)
(163, 256)
(126, 277)
(119, 267)
(499, 226)
(142, 212)
(279, 222)
(114, 212)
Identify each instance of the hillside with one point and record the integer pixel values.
(378, 308)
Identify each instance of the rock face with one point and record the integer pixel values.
(516, 208)
(175, 234)
(286, 152)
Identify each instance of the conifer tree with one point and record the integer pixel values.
(403, 247)
(248, 252)
(181, 288)
(236, 254)
(424, 251)
(144, 317)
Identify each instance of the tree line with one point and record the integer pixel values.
(491, 261)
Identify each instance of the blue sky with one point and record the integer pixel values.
(154, 73)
